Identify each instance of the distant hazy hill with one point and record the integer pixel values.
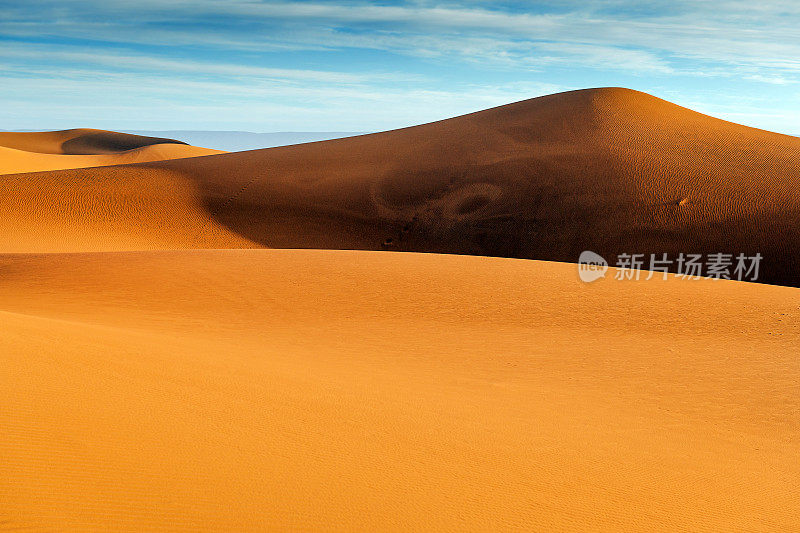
(235, 141)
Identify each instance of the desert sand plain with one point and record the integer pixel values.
(208, 341)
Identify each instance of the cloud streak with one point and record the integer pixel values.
(728, 32)
(684, 49)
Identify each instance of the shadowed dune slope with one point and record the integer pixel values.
(297, 390)
(610, 170)
(81, 141)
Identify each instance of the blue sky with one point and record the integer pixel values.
(366, 66)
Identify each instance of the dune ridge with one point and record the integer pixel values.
(290, 390)
(13, 161)
(78, 141)
(610, 170)
(22, 152)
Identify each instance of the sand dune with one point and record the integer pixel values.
(14, 161)
(58, 150)
(339, 391)
(611, 170)
(81, 141)
(151, 383)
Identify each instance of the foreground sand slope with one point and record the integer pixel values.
(298, 390)
(611, 170)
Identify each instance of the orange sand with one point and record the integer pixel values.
(610, 170)
(152, 383)
(341, 391)
(80, 141)
(57, 150)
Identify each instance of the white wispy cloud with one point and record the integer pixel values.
(220, 53)
(121, 61)
(738, 33)
(125, 100)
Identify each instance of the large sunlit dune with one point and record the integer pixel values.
(291, 390)
(610, 170)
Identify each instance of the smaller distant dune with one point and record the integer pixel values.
(82, 141)
(82, 148)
